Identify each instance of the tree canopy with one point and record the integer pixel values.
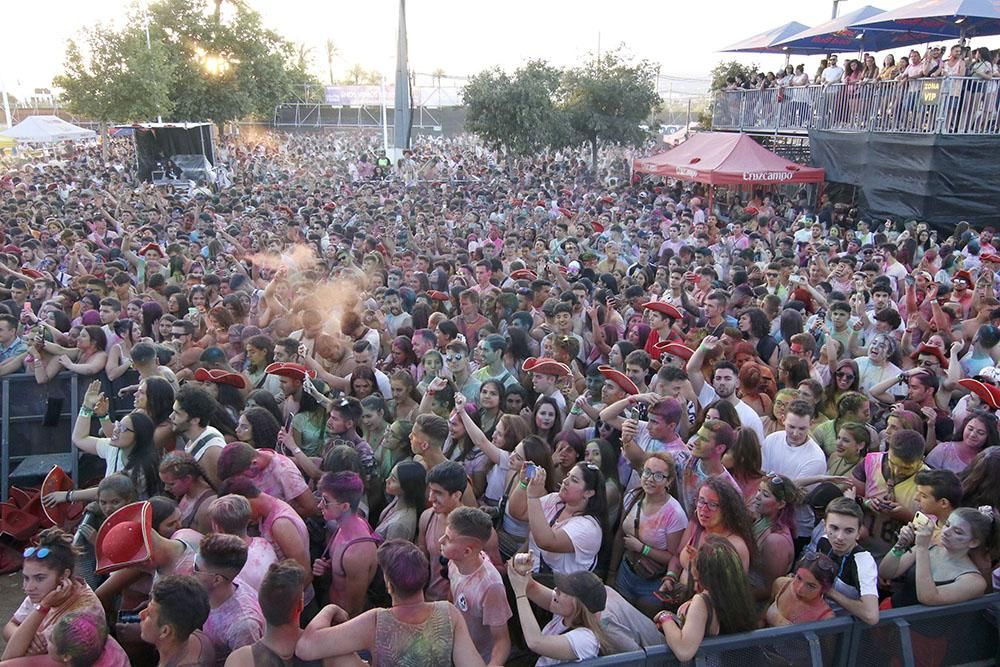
(602, 101)
(199, 65)
(518, 113)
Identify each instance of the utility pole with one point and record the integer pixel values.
(836, 6)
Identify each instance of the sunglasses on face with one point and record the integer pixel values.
(841, 375)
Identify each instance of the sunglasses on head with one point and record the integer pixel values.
(823, 560)
(36, 552)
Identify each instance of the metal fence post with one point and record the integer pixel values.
(74, 403)
(905, 642)
(5, 440)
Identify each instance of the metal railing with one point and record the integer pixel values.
(964, 633)
(949, 105)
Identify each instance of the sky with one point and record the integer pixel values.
(460, 37)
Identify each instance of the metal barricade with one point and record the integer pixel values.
(950, 105)
(964, 633)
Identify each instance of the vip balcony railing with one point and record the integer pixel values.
(948, 105)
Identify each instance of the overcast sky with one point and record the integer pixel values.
(459, 37)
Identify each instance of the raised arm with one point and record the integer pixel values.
(492, 452)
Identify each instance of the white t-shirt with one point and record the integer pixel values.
(806, 460)
(583, 531)
(583, 641)
(748, 416)
(210, 437)
(115, 458)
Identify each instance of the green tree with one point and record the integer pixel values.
(114, 77)
(731, 68)
(607, 99)
(517, 113)
(225, 69)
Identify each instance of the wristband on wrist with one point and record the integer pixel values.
(672, 575)
(69, 496)
(522, 484)
(897, 551)
(645, 550)
(86, 412)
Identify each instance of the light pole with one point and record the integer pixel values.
(836, 6)
(149, 47)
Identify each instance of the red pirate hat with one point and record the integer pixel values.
(674, 349)
(219, 376)
(966, 276)
(21, 498)
(58, 480)
(993, 258)
(663, 308)
(619, 379)
(151, 246)
(987, 393)
(598, 227)
(32, 273)
(289, 370)
(566, 213)
(16, 522)
(125, 538)
(524, 274)
(924, 348)
(329, 206)
(545, 366)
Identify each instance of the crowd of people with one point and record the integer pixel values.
(483, 410)
(842, 94)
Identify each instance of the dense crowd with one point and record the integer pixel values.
(475, 409)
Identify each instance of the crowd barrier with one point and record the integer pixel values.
(961, 634)
(38, 420)
(954, 105)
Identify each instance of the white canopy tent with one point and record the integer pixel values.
(47, 129)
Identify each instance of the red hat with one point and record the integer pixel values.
(329, 206)
(437, 295)
(17, 523)
(931, 349)
(151, 246)
(598, 227)
(966, 276)
(566, 213)
(32, 273)
(664, 308)
(289, 369)
(125, 538)
(990, 257)
(619, 379)
(12, 249)
(524, 274)
(219, 376)
(673, 349)
(545, 366)
(987, 393)
(58, 480)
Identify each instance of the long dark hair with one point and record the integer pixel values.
(597, 506)
(412, 483)
(159, 399)
(721, 575)
(143, 460)
(537, 451)
(735, 515)
(265, 399)
(264, 427)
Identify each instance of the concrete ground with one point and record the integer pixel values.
(11, 597)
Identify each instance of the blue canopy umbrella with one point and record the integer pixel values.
(840, 35)
(946, 18)
(765, 41)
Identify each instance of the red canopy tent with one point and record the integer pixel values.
(726, 158)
